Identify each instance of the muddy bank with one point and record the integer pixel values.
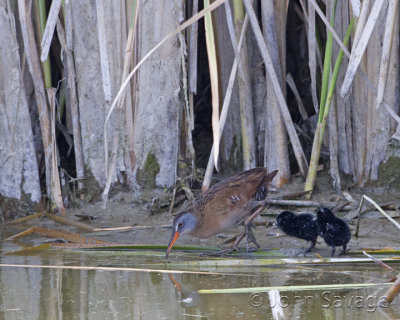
(128, 209)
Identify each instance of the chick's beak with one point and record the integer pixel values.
(174, 237)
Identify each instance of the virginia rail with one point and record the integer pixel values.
(227, 204)
(303, 226)
(334, 230)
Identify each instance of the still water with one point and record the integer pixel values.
(72, 284)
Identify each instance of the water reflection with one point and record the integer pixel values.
(56, 292)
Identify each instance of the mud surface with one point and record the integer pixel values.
(128, 209)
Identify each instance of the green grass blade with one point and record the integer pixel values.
(336, 70)
(317, 287)
(327, 67)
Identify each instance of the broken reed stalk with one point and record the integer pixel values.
(49, 29)
(27, 218)
(294, 139)
(378, 261)
(377, 207)
(327, 91)
(381, 211)
(225, 108)
(67, 222)
(392, 292)
(41, 18)
(58, 234)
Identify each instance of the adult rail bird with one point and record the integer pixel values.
(227, 204)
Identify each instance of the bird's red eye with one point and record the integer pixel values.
(180, 225)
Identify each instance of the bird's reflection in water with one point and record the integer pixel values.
(185, 296)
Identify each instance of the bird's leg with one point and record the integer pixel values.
(311, 247)
(344, 250)
(249, 220)
(238, 240)
(333, 251)
(250, 236)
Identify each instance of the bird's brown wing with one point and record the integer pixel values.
(227, 203)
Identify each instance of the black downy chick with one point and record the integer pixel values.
(334, 230)
(303, 226)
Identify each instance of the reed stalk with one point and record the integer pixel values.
(212, 64)
(327, 90)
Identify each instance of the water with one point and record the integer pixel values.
(50, 285)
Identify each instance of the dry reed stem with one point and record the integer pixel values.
(245, 95)
(123, 86)
(276, 151)
(355, 6)
(361, 22)
(392, 292)
(213, 68)
(67, 222)
(49, 29)
(192, 56)
(32, 56)
(231, 29)
(381, 211)
(57, 234)
(312, 58)
(225, 108)
(104, 59)
(56, 195)
(359, 50)
(297, 148)
(66, 42)
(386, 49)
(110, 169)
(25, 219)
(378, 261)
(188, 105)
(300, 106)
(99, 268)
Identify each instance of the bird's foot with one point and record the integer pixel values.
(250, 237)
(343, 251)
(310, 248)
(333, 251)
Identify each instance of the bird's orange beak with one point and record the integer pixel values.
(175, 236)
